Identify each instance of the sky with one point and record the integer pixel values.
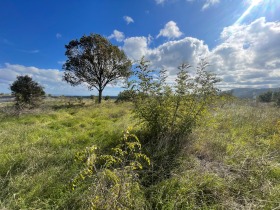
(240, 39)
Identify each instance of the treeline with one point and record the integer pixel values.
(270, 96)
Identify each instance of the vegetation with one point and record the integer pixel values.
(27, 92)
(114, 179)
(38, 149)
(180, 146)
(270, 96)
(266, 97)
(95, 61)
(229, 161)
(170, 113)
(126, 96)
(276, 98)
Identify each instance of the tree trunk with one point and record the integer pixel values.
(99, 96)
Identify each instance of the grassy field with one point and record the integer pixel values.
(37, 151)
(231, 160)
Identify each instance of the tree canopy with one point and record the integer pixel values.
(26, 91)
(95, 61)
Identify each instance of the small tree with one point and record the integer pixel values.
(95, 61)
(126, 95)
(266, 97)
(27, 92)
(169, 112)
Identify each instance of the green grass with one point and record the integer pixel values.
(37, 151)
(231, 160)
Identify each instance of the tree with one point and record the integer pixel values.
(26, 91)
(126, 95)
(95, 61)
(266, 97)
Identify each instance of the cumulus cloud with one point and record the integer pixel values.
(249, 55)
(118, 35)
(49, 78)
(170, 30)
(173, 53)
(136, 47)
(168, 55)
(128, 19)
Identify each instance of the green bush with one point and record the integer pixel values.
(169, 113)
(106, 98)
(266, 97)
(126, 95)
(270, 97)
(112, 179)
(27, 92)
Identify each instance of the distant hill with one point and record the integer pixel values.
(250, 93)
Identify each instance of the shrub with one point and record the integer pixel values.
(270, 97)
(126, 95)
(106, 98)
(169, 113)
(113, 178)
(27, 92)
(265, 97)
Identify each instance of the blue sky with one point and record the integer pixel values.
(239, 38)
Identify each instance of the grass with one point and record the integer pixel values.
(231, 160)
(37, 151)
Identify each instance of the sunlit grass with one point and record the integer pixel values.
(238, 146)
(37, 151)
(231, 160)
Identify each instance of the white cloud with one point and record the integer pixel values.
(249, 55)
(118, 35)
(210, 3)
(169, 55)
(136, 47)
(58, 35)
(170, 30)
(173, 53)
(50, 79)
(128, 19)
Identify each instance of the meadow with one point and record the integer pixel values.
(230, 160)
